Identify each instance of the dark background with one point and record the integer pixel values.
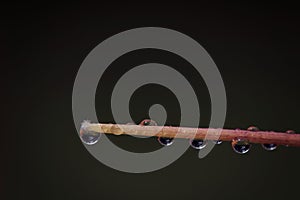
(255, 46)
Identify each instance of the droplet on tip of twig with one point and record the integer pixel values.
(88, 137)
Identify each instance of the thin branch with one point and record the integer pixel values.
(262, 137)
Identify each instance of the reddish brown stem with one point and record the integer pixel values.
(262, 137)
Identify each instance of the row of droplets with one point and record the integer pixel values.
(240, 146)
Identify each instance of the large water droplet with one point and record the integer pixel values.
(197, 144)
(269, 147)
(240, 146)
(165, 141)
(88, 137)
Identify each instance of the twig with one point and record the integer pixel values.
(262, 137)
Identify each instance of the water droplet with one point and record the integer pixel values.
(217, 141)
(198, 144)
(89, 137)
(290, 132)
(253, 128)
(269, 147)
(148, 122)
(240, 146)
(165, 141)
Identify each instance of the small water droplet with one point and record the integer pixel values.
(165, 141)
(290, 132)
(197, 144)
(240, 146)
(89, 137)
(148, 122)
(269, 147)
(217, 141)
(253, 128)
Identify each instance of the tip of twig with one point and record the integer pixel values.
(85, 124)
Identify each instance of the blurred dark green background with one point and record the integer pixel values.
(256, 48)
